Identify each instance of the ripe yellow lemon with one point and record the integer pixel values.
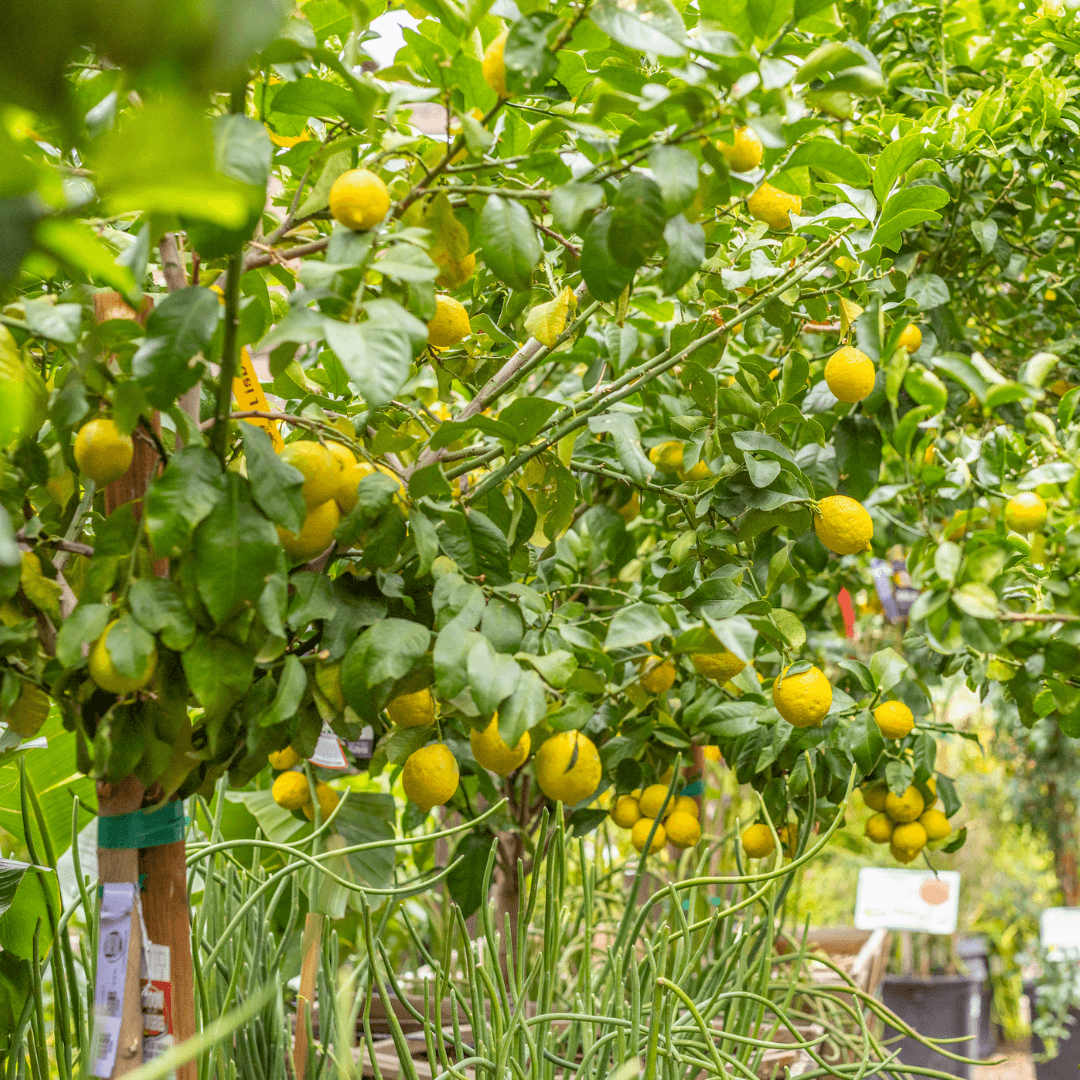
(873, 794)
(449, 324)
(906, 807)
(290, 791)
(1025, 513)
(903, 855)
(803, 700)
(684, 804)
(321, 469)
(910, 338)
(879, 828)
(430, 776)
(931, 786)
(843, 525)
(667, 456)
(343, 454)
(328, 799)
(29, 710)
(453, 273)
(757, 841)
(935, 823)
(640, 834)
(359, 199)
(850, 374)
(658, 675)
(493, 67)
(720, 666)
(101, 452)
(104, 672)
(711, 753)
(745, 153)
(626, 811)
(316, 535)
(910, 836)
(894, 719)
(771, 205)
(412, 710)
(683, 830)
(568, 767)
(281, 760)
(652, 798)
(700, 471)
(493, 754)
(631, 508)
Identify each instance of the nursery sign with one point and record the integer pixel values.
(907, 900)
(1059, 931)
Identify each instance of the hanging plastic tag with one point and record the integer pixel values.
(328, 753)
(156, 986)
(114, 941)
(250, 397)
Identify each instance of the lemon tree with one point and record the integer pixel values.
(554, 433)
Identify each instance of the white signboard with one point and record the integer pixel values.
(1059, 931)
(907, 900)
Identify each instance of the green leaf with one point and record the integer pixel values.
(465, 882)
(79, 251)
(977, 600)
(894, 160)
(649, 26)
(887, 668)
(570, 201)
(858, 454)
(158, 604)
(637, 221)
(378, 353)
(605, 277)
(635, 624)
(864, 741)
(525, 709)
(928, 291)
(831, 160)
(906, 208)
(475, 543)
(676, 172)
(947, 560)
(508, 240)
(176, 330)
(946, 792)
(627, 441)
(526, 416)
(129, 646)
(529, 61)
(182, 496)
(685, 252)
(318, 97)
(492, 677)
(82, 627)
(556, 668)
(219, 673)
(236, 550)
(292, 683)
(275, 485)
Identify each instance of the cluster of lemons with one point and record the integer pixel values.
(758, 843)
(905, 822)
(639, 810)
(292, 791)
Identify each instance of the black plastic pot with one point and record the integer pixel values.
(974, 952)
(1064, 1066)
(941, 1007)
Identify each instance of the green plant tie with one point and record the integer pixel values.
(144, 828)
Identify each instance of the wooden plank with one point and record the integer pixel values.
(309, 966)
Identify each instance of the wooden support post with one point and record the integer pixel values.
(122, 864)
(309, 966)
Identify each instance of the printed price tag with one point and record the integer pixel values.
(156, 988)
(328, 753)
(114, 940)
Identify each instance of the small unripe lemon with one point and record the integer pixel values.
(744, 154)
(104, 672)
(910, 338)
(639, 835)
(1025, 513)
(935, 823)
(906, 807)
(683, 829)
(879, 828)
(873, 794)
(430, 776)
(850, 374)
(771, 205)
(626, 811)
(803, 700)
(316, 535)
(281, 760)
(101, 452)
(359, 199)
(757, 841)
(492, 753)
(450, 323)
(894, 719)
(290, 791)
(652, 798)
(843, 525)
(493, 67)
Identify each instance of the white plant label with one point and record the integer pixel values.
(114, 941)
(328, 753)
(1059, 932)
(917, 900)
(156, 985)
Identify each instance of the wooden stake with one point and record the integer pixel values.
(122, 864)
(309, 966)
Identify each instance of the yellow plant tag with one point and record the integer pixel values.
(250, 397)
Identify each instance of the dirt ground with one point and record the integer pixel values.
(1016, 1066)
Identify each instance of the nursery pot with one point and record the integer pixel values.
(974, 952)
(939, 1007)
(1064, 1066)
